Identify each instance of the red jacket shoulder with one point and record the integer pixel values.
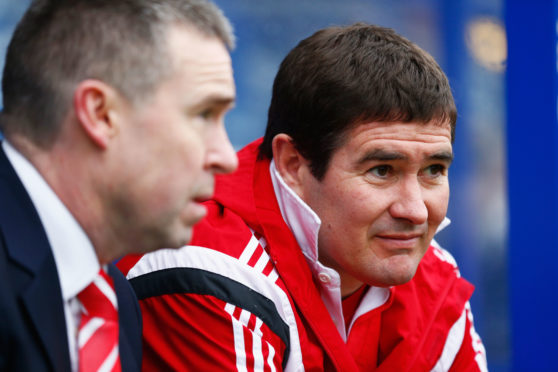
(222, 230)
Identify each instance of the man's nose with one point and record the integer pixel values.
(409, 202)
(221, 157)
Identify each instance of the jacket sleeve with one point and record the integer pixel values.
(199, 332)
(471, 355)
(213, 305)
(463, 350)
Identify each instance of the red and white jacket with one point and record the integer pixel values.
(249, 294)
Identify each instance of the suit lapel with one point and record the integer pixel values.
(43, 302)
(130, 323)
(35, 276)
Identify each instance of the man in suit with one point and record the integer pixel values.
(114, 129)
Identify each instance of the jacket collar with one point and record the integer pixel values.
(299, 217)
(289, 260)
(36, 279)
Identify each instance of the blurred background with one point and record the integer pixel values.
(468, 39)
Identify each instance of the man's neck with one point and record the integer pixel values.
(72, 179)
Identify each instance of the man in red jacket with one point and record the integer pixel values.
(318, 253)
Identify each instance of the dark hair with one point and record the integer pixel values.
(59, 43)
(344, 76)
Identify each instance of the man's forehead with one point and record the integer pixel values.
(188, 45)
(402, 130)
(203, 64)
(387, 154)
(397, 138)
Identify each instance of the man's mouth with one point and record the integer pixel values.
(399, 240)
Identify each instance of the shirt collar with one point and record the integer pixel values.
(75, 257)
(299, 217)
(445, 223)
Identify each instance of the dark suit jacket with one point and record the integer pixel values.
(33, 333)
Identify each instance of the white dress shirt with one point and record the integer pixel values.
(75, 258)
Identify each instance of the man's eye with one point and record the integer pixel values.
(435, 170)
(381, 171)
(206, 114)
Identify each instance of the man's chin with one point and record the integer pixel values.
(398, 276)
(185, 239)
(178, 240)
(193, 213)
(403, 277)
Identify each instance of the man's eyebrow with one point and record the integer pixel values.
(444, 156)
(387, 155)
(217, 100)
(381, 155)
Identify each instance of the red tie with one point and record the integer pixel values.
(98, 328)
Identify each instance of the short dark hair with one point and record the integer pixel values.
(344, 76)
(59, 43)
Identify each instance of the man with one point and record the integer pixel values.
(317, 254)
(113, 124)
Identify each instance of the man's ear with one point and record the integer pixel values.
(290, 164)
(94, 105)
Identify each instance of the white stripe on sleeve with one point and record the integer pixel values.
(249, 250)
(257, 349)
(238, 333)
(452, 345)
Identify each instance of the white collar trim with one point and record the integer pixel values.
(302, 221)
